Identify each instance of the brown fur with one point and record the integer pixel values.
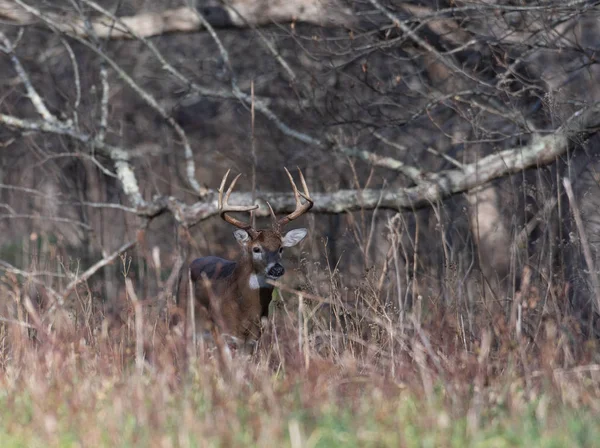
(229, 303)
(234, 296)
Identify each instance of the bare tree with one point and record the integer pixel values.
(385, 105)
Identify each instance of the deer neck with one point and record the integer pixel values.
(250, 280)
(254, 289)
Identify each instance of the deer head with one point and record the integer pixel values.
(262, 249)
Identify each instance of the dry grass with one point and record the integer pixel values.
(337, 367)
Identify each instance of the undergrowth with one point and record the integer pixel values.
(335, 367)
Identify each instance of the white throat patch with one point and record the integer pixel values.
(257, 281)
(254, 282)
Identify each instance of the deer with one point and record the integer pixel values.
(233, 297)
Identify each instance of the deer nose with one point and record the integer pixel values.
(276, 271)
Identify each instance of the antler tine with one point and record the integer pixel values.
(296, 195)
(223, 181)
(300, 208)
(273, 217)
(306, 194)
(230, 189)
(225, 208)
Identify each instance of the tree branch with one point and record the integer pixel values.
(33, 95)
(542, 150)
(235, 14)
(147, 97)
(96, 267)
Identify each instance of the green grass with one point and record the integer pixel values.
(202, 410)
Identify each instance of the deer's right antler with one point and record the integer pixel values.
(225, 208)
(300, 207)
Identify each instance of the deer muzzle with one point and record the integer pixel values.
(276, 271)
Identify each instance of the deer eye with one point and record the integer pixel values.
(256, 250)
(281, 250)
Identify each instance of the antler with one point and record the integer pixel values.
(300, 207)
(225, 208)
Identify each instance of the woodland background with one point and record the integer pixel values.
(452, 150)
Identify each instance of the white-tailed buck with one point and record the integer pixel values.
(233, 296)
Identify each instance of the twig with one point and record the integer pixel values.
(96, 266)
(80, 155)
(119, 156)
(147, 97)
(30, 277)
(139, 326)
(411, 172)
(77, 81)
(48, 218)
(449, 62)
(34, 97)
(17, 322)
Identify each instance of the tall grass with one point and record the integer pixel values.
(337, 366)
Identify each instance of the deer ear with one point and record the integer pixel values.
(241, 236)
(293, 237)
